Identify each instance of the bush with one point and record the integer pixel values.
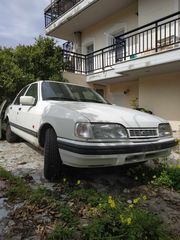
(26, 64)
(134, 224)
(169, 177)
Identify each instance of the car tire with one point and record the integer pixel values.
(52, 159)
(10, 136)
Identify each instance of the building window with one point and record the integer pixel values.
(119, 46)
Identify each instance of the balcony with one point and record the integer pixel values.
(57, 9)
(156, 37)
(64, 17)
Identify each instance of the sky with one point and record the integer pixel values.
(21, 21)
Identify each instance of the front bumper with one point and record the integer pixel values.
(90, 154)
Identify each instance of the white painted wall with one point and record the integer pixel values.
(151, 10)
(100, 33)
(127, 19)
(161, 95)
(75, 78)
(122, 93)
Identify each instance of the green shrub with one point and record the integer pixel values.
(134, 224)
(86, 196)
(162, 174)
(169, 177)
(163, 179)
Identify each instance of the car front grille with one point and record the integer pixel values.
(142, 133)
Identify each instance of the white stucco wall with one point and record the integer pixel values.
(99, 34)
(151, 10)
(127, 18)
(161, 95)
(122, 93)
(158, 93)
(75, 78)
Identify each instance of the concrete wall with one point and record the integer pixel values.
(158, 93)
(75, 78)
(123, 93)
(161, 95)
(151, 10)
(100, 34)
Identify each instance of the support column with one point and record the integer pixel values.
(77, 42)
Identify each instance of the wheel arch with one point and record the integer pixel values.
(6, 119)
(42, 132)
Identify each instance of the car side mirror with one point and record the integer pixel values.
(27, 100)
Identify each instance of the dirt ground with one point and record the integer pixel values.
(23, 160)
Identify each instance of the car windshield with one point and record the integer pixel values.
(68, 92)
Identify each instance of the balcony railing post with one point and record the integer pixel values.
(65, 67)
(102, 59)
(85, 60)
(156, 37)
(125, 50)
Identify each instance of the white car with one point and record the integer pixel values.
(77, 127)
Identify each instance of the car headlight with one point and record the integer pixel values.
(100, 131)
(165, 130)
(83, 130)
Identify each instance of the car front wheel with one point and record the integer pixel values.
(52, 159)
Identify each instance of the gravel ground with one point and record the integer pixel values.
(21, 159)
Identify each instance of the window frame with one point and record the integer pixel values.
(19, 95)
(36, 99)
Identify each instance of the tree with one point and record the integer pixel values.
(26, 64)
(10, 74)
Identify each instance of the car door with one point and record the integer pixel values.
(13, 109)
(29, 116)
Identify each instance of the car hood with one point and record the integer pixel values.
(97, 112)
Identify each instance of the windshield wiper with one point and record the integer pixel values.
(61, 99)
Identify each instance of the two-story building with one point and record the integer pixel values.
(128, 50)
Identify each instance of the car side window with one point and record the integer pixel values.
(22, 92)
(32, 91)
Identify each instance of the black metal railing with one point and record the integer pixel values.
(56, 9)
(157, 36)
(74, 62)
